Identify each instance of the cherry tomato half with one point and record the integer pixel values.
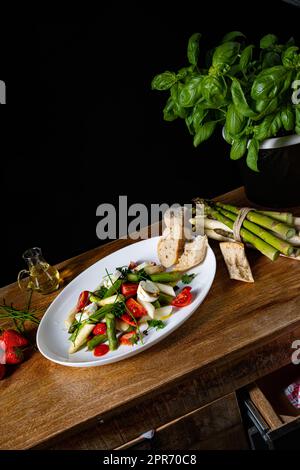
(184, 298)
(128, 339)
(83, 300)
(101, 349)
(136, 309)
(129, 289)
(127, 319)
(100, 329)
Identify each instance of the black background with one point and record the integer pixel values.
(82, 126)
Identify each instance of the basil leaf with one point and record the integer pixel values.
(271, 59)
(270, 107)
(268, 41)
(238, 149)
(239, 99)
(184, 72)
(204, 132)
(198, 115)
(288, 117)
(262, 130)
(169, 112)
(227, 136)
(290, 56)
(163, 81)
(297, 118)
(268, 127)
(193, 48)
(246, 57)
(226, 54)
(270, 82)
(190, 92)
(214, 90)
(235, 122)
(252, 154)
(232, 35)
(189, 124)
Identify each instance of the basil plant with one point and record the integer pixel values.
(247, 90)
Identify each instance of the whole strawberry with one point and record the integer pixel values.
(14, 355)
(2, 371)
(11, 338)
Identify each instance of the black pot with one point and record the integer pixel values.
(278, 182)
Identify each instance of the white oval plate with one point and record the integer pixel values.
(52, 335)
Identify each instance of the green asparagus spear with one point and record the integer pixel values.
(164, 299)
(100, 314)
(281, 245)
(133, 277)
(286, 217)
(95, 341)
(263, 220)
(113, 289)
(258, 243)
(111, 331)
(166, 276)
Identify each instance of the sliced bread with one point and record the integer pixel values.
(193, 254)
(171, 244)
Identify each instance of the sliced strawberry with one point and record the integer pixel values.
(101, 349)
(14, 356)
(100, 329)
(128, 339)
(11, 339)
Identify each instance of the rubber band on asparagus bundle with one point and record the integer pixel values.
(239, 222)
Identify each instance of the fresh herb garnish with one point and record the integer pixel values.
(142, 275)
(187, 278)
(101, 292)
(158, 324)
(124, 271)
(118, 309)
(18, 317)
(134, 339)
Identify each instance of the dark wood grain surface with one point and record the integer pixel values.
(227, 341)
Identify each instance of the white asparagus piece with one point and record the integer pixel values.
(217, 236)
(71, 317)
(236, 261)
(157, 268)
(148, 306)
(121, 325)
(163, 312)
(165, 289)
(110, 300)
(81, 337)
(297, 222)
(296, 258)
(213, 224)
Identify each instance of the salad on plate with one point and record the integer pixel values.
(125, 306)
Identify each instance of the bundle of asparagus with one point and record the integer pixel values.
(272, 233)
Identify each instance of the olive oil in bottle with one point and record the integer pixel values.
(43, 277)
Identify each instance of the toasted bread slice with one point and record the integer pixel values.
(193, 254)
(236, 261)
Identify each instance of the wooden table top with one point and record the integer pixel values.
(40, 399)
